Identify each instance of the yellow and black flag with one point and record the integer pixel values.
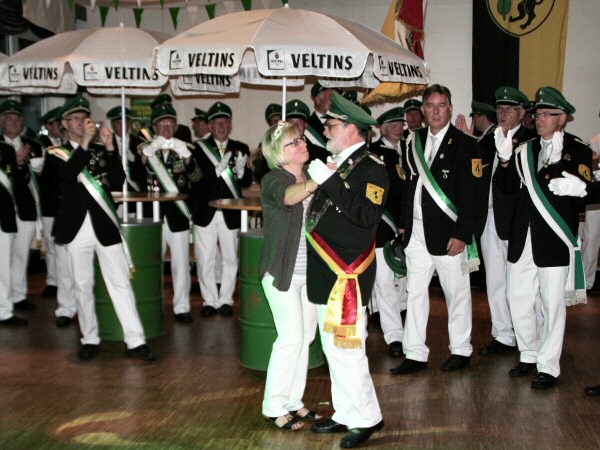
(519, 43)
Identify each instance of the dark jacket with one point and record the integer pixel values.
(8, 164)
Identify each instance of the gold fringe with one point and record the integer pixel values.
(342, 342)
(344, 330)
(392, 92)
(328, 327)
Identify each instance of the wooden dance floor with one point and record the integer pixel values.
(197, 396)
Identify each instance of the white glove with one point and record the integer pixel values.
(557, 146)
(156, 144)
(181, 148)
(503, 144)
(240, 165)
(319, 172)
(569, 185)
(223, 163)
(37, 164)
(596, 175)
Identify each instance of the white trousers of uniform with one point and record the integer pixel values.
(50, 247)
(494, 252)
(389, 296)
(19, 260)
(116, 276)
(457, 291)
(65, 296)
(179, 244)
(205, 249)
(7, 241)
(523, 277)
(352, 390)
(591, 243)
(296, 323)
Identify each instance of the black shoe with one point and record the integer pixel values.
(87, 351)
(49, 291)
(409, 366)
(592, 391)
(328, 426)
(225, 310)
(25, 305)
(543, 381)
(63, 321)
(14, 321)
(456, 362)
(522, 370)
(396, 349)
(142, 352)
(184, 318)
(496, 348)
(208, 311)
(358, 436)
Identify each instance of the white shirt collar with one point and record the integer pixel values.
(345, 154)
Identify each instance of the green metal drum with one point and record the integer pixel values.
(257, 329)
(144, 238)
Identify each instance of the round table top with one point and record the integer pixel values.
(247, 204)
(148, 196)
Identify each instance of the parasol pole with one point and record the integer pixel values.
(283, 99)
(125, 147)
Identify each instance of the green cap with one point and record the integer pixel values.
(548, 97)
(51, 116)
(273, 109)
(199, 114)
(506, 95)
(391, 115)
(483, 109)
(347, 111)
(217, 110)
(413, 103)
(77, 104)
(318, 87)
(11, 107)
(350, 95)
(162, 98)
(297, 109)
(393, 252)
(115, 113)
(163, 111)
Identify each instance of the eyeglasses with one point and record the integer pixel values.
(545, 115)
(506, 109)
(296, 141)
(165, 124)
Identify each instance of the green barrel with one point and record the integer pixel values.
(144, 238)
(257, 329)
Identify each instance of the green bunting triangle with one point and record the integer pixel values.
(174, 13)
(137, 12)
(247, 5)
(285, 2)
(103, 14)
(210, 10)
(162, 3)
(116, 3)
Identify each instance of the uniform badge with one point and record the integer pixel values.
(401, 173)
(445, 173)
(375, 193)
(585, 172)
(477, 167)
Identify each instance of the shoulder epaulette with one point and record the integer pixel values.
(375, 158)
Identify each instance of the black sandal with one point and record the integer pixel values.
(312, 416)
(289, 425)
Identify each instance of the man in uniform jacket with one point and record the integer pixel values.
(413, 115)
(438, 215)
(26, 197)
(224, 172)
(87, 224)
(341, 225)
(543, 252)
(389, 291)
(315, 130)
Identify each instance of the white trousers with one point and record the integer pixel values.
(19, 260)
(65, 296)
(50, 247)
(457, 291)
(179, 244)
(296, 323)
(523, 278)
(591, 243)
(205, 249)
(116, 276)
(352, 390)
(6, 243)
(389, 296)
(494, 252)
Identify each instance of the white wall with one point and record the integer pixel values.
(447, 50)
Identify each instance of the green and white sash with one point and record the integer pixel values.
(314, 137)
(100, 196)
(228, 177)
(7, 184)
(575, 287)
(443, 202)
(389, 221)
(34, 188)
(166, 181)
